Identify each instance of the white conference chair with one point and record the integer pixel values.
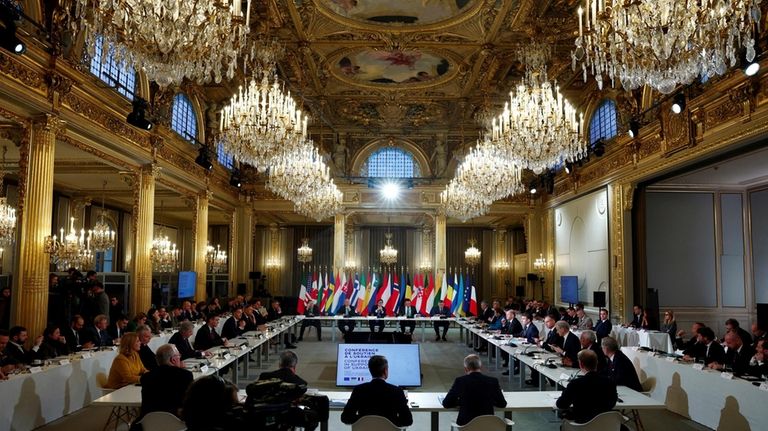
(375, 423)
(484, 423)
(162, 421)
(608, 421)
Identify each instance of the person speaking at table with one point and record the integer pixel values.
(737, 357)
(408, 311)
(380, 313)
(347, 326)
(706, 349)
(311, 310)
(181, 340)
(589, 395)
(287, 370)
(571, 344)
(234, 326)
(687, 346)
(126, 368)
(163, 389)
(619, 367)
(378, 397)
(15, 348)
(444, 313)
(474, 393)
(530, 331)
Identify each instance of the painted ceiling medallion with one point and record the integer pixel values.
(398, 12)
(391, 68)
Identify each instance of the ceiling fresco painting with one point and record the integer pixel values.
(392, 66)
(398, 12)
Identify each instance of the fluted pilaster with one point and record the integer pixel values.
(30, 292)
(144, 216)
(440, 244)
(241, 245)
(339, 255)
(201, 242)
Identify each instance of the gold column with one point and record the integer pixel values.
(338, 241)
(440, 244)
(30, 290)
(241, 260)
(201, 242)
(144, 219)
(620, 205)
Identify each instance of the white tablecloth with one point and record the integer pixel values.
(703, 396)
(28, 401)
(628, 337)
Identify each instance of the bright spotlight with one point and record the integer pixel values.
(390, 190)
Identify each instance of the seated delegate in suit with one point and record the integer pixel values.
(589, 395)
(530, 331)
(234, 326)
(163, 389)
(583, 321)
(442, 311)
(669, 325)
(687, 346)
(637, 317)
(603, 326)
(74, 334)
(706, 349)
(408, 312)
(380, 313)
(758, 365)
(118, 327)
(53, 344)
(571, 344)
(287, 370)
(311, 310)
(737, 357)
(275, 313)
(377, 397)
(732, 325)
(553, 339)
(347, 326)
(97, 334)
(15, 348)
(207, 336)
(510, 326)
(588, 340)
(181, 340)
(126, 368)
(146, 354)
(619, 367)
(473, 393)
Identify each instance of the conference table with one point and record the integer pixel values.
(361, 321)
(654, 340)
(40, 395)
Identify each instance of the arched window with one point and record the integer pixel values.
(225, 159)
(183, 119)
(603, 123)
(106, 68)
(390, 162)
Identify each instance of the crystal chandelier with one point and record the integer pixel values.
(539, 128)
(486, 175)
(164, 254)
(262, 120)
(388, 254)
(72, 250)
(305, 251)
(215, 258)
(540, 264)
(472, 254)
(303, 178)
(102, 236)
(169, 39)
(7, 212)
(663, 43)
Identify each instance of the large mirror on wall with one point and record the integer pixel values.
(582, 259)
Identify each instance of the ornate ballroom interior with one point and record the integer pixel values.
(521, 128)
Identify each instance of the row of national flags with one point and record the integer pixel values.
(455, 292)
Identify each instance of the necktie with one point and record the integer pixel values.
(77, 337)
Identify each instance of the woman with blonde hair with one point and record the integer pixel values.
(127, 367)
(669, 325)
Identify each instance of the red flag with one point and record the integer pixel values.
(395, 295)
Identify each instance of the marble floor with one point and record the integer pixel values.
(441, 363)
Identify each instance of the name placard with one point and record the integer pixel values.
(227, 356)
(243, 347)
(64, 362)
(564, 376)
(35, 370)
(204, 369)
(698, 366)
(87, 355)
(764, 386)
(727, 376)
(671, 359)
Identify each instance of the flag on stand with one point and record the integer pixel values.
(333, 288)
(361, 297)
(409, 288)
(458, 299)
(430, 293)
(315, 288)
(418, 299)
(473, 301)
(385, 291)
(371, 294)
(391, 303)
(342, 292)
(467, 297)
(426, 295)
(403, 283)
(327, 290)
(443, 289)
(302, 300)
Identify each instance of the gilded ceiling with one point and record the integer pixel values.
(420, 70)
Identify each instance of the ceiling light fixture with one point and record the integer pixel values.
(204, 158)
(235, 180)
(10, 14)
(137, 117)
(634, 128)
(390, 190)
(678, 103)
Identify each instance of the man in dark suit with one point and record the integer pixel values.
(510, 325)
(311, 310)
(553, 339)
(588, 395)
(706, 349)
(207, 336)
(97, 334)
(637, 317)
(74, 334)
(287, 370)
(275, 313)
(732, 325)
(474, 393)
(146, 354)
(181, 340)
(347, 326)
(486, 313)
(738, 356)
(619, 367)
(687, 346)
(758, 365)
(117, 328)
(442, 311)
(163, 388)
(530, 331)
(408, 312)
(15, 348)
(603, 325)
(378, 397)
(234, 326)
(380, 313)
(571, 344)
(588, 340)
(188, 312)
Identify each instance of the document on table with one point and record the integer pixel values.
(440, 398)
(337, 403)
